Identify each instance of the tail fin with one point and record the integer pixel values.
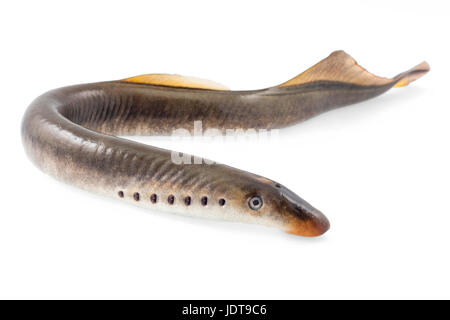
(405, 78)
(341, 67)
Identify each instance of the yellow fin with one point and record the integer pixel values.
(175, 80)
(341, 67)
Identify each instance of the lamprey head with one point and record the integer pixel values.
(278, 206)
(303, 218)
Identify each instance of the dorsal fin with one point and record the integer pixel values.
(175, 80)
(341, 67)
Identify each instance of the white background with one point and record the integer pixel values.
(379, 169)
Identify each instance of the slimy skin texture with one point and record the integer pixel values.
(70, 133)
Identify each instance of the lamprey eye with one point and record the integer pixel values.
(255, 202)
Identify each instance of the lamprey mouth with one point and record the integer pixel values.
(312, 227)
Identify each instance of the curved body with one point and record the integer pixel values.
(69, 133)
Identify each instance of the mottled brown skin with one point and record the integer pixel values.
(70, 134)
